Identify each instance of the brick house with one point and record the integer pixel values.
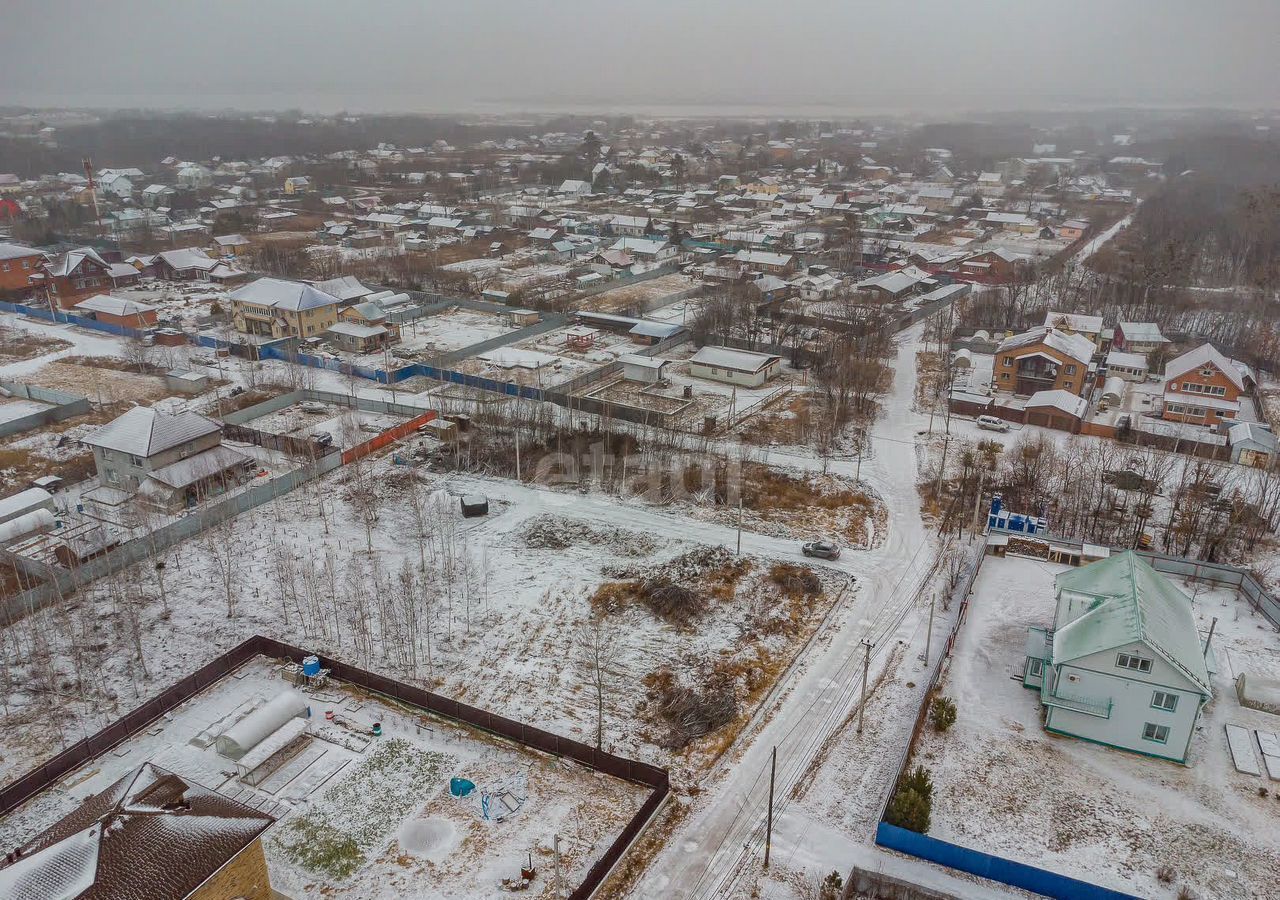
(151, 834)
(1043, 359)
(17, 265)
(1202, 387)
(117, 311)
(76, 275)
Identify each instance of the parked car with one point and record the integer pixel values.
(991, 423)
(314, 407)
(821, 549)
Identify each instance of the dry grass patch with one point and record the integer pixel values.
(17, 345)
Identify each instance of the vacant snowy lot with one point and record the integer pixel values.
(1005, 786)
(500, 618)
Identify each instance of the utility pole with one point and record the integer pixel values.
(768, 833)
(517, 430)
(928, 635)
(977, 506)
(862, 440)
(866, 665)
(739, 550)
(1212, 626)
(555, 849)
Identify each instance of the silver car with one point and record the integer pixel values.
(821, 549)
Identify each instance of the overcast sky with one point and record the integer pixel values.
(780, 56)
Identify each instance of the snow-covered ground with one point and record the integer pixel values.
(1005, 786)
(411, 834)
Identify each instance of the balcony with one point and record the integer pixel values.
(1051, 696)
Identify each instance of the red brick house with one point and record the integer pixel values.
(76, 275)
(1202, 387)
(17, 265)
(117, 311)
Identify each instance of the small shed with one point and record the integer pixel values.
(474, 505)
(645, 369)
(525, 317)
(184, 381)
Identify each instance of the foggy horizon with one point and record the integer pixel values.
(811, 59)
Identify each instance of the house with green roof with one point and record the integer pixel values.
(1123, 664)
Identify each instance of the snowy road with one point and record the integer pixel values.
(724, 830)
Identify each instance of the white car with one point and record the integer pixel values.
(991, 423)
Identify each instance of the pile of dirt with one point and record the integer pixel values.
(549, 532)
(679, 591)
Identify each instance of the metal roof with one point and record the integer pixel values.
(150, 836)
(143, 431)
(1132, 603)
(291, 296)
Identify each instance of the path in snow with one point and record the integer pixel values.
(703, 856)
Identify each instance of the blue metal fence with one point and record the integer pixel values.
(996, 868)
(63, 318)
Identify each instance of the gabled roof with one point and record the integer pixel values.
(72, 259)
(347, 287)
(115, 306)
(187, 258)
(737, 360)
(17, 251)
(1142, 332)
(151, 834)
(1065, 401)
(143, 431)
(1204, 355)
(1132, 603)
(1074, 322)
(291, 296)
(1075, 346)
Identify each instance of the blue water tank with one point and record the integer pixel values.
(1017, 522)
(311, 666)
(996, 503)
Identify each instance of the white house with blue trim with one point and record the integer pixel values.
(1123, 664)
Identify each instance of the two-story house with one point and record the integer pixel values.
(1074, 323)
(17, 265)
(271, 307)
(76, 275)
(1123, 664)
(1202, 387)
(166, 460)
(1043, 359)
(1138, 337)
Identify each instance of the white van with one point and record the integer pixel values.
(991, 423)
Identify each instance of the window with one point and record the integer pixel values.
(1008, 360)
(1004, 376)
(26, 264)
(1071, 370)
(1157, 733)
(4, 267)
(1136, 663)
(1164, 700)
(1069, 385)
(136, 460)
(1174, 407)
(1035, 667)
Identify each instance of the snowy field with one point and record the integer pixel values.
(1005, 786)
(364, 817)
(450, 330)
